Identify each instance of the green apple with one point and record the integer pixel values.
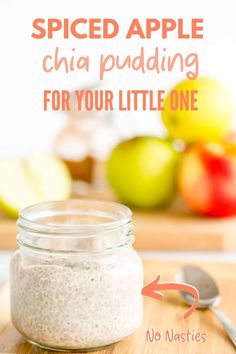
(213, 118)
(142, 171)
(23, 183)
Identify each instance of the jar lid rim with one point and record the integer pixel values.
(31, 218)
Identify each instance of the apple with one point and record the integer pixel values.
(142, 171)
(26, 182)
(207, 178)
(211, 121)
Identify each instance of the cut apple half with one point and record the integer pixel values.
(40, 178)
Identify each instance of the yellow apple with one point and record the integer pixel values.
(213, 118)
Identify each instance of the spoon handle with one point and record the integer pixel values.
(226, 323)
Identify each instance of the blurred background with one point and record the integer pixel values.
(91, 156)
(23, 80)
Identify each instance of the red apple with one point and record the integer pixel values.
(207, 178)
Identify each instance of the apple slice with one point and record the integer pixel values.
(23, 183)
(16, 188)
(51, 177)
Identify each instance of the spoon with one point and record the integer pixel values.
(209, 295)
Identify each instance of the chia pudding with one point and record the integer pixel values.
(76, 301)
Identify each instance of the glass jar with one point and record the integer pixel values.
(76, 280)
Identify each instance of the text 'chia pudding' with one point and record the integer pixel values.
(76, 280)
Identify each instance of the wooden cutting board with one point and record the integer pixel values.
(173, 229)
(162, 230)
(160, 315)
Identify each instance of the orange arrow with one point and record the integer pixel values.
(152, 290)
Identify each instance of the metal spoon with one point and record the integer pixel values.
(209, 295)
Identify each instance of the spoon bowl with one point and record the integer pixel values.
(209, 294)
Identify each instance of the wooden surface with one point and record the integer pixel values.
(175, 229)
(160, 315)
(170, 230)
(182, 231)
